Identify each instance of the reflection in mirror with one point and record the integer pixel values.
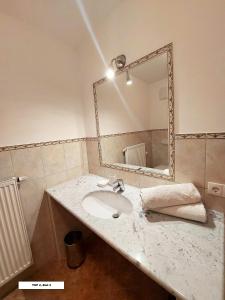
(133, 118)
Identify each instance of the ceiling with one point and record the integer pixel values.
(152, 70)
(59, 18)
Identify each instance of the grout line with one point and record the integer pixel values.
(12, 164)
(65, 162)
(43, 162)
(205, 183)
(53, 226)
(81, 155)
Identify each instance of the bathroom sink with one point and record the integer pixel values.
(106, 204)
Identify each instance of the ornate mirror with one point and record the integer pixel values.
(135, 116)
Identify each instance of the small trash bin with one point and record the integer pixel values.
(75, 252)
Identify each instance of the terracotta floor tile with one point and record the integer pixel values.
(15, 295)
(105, 275)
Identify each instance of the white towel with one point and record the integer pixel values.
(195, 212)
(169, 195)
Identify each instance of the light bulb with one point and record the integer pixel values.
(129, 80)
(110, 73)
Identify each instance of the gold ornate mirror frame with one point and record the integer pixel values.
(168, 49)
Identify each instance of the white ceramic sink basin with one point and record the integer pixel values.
(106, 204)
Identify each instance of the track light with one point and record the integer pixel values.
(128, 80)
(117, 63)
(110, 73)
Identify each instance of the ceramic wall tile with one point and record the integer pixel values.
(75, 172)
(55, 179)
(84, 155)
(28, 162)
(43, 243)
(113, 146)
(31, 193)
(215, 161)
(159, 148)
(53, 164)
(190, 161)
(73, 154)
(53, 158)
(92, 154)
(147, 181)
(213, 202)
(6, 168)
(45, 166)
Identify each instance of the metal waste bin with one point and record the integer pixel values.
(75, 252)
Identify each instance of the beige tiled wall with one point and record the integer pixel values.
(160, 147)
(190, 161)
(155, 143)
(45, 166)
(201, 161)
(112, 147)
(196, 160)
(130, 178)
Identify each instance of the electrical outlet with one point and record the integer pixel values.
(215, 189)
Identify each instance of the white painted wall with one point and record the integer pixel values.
(196, 29)
(122, 107)
(40, 97)
(127, 108)
(43, 82)
(157, 108)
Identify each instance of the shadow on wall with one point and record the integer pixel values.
(42, 240)
(63, 222)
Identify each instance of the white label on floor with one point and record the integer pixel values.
(41, 285)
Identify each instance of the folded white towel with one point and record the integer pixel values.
(195, 212)
(169, 195)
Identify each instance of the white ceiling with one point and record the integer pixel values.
(153, 70)
(59, 18)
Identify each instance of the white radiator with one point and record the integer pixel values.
(135, 155)
(15, 252)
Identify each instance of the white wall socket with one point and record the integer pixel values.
(216, 189)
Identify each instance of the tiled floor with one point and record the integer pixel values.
(105, 275)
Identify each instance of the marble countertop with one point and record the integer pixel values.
(186, 258)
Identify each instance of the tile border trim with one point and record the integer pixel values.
(41, 144)
(91, 139)
(218, 135)
(181, 136)
(178, 136)
(130, 133)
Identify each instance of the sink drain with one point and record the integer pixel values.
(115, 215)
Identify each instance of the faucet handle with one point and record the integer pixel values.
(120, 181)
(115, 184)
(118, 185)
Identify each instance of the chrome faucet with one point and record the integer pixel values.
(118, 186)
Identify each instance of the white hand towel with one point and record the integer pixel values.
(195, 212)
(169, 195)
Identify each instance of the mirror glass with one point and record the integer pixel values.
(133, 118)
